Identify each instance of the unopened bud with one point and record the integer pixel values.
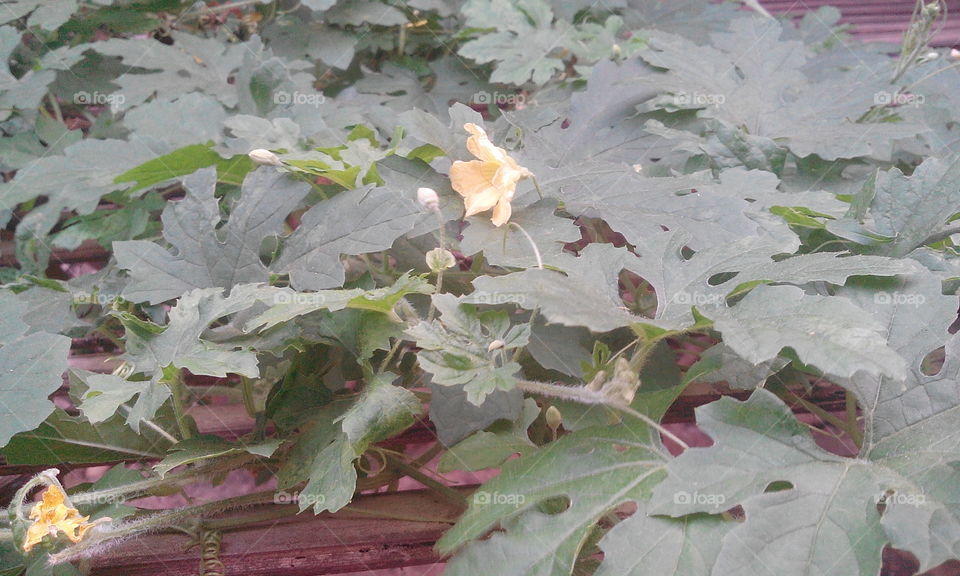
(427, 197)
(597, 383)
(440, 259)
(554, 418)
(265, 157)
(623, 386)
(616, 52)
(954, 54)
(495, 345)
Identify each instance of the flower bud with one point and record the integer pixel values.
(597, 382)
(427, 197)
(265, 157)
(954, 54)
(554, 418)
(439, 259)
(623, 386)
(495, 345)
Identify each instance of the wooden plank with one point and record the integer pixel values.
(873, 20)
(304, 545)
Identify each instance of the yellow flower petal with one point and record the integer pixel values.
(482, 202)
(490, 181)
(473, 177)
(501, 213)
(52, 516)
(479, 145)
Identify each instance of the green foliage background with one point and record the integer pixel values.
(701, 171)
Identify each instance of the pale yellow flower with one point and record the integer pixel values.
(489, 182)
(52, 516)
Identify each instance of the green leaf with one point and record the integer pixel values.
(827, 515)
(382, 411)
(183, 343)
(193, 64)
(105, 393)
(356, 221)
(207, 255)
(828, 332)
(181, 162)
(74, 181)
(584, 295)
(456, 418)
(469, 348)
(594, 470)
(65, 438)
(204, 116)
(487, 449)
(706, 278)
(47, 15)
(383, 300)
(528, 42)
(644, 544)
(31, 368)
(287, 304)
(507, 246)
(202, 448)
(794, 114)
(913, 209)
(26, 92)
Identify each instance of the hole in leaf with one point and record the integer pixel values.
(269, 250)
(637, 294)
(720, 278)
(554, 506)
(933, 362)
(778, 486)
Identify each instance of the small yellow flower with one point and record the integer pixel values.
(489, 182)
(51, 516)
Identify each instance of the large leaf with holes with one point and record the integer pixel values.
(831, 517)
(593, 470)
(750, 77)
(208, 255)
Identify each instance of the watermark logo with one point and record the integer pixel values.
(915, 499)
(300, 298)
(284, 497)
(698, 99)
(898, 299)
(697, 499)
(501, 99)
(101, 299)
(494, 298)
(114, 101)
(698, 299)
(284, 98)
(884, 98)
(483, 498)
(95, 498)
